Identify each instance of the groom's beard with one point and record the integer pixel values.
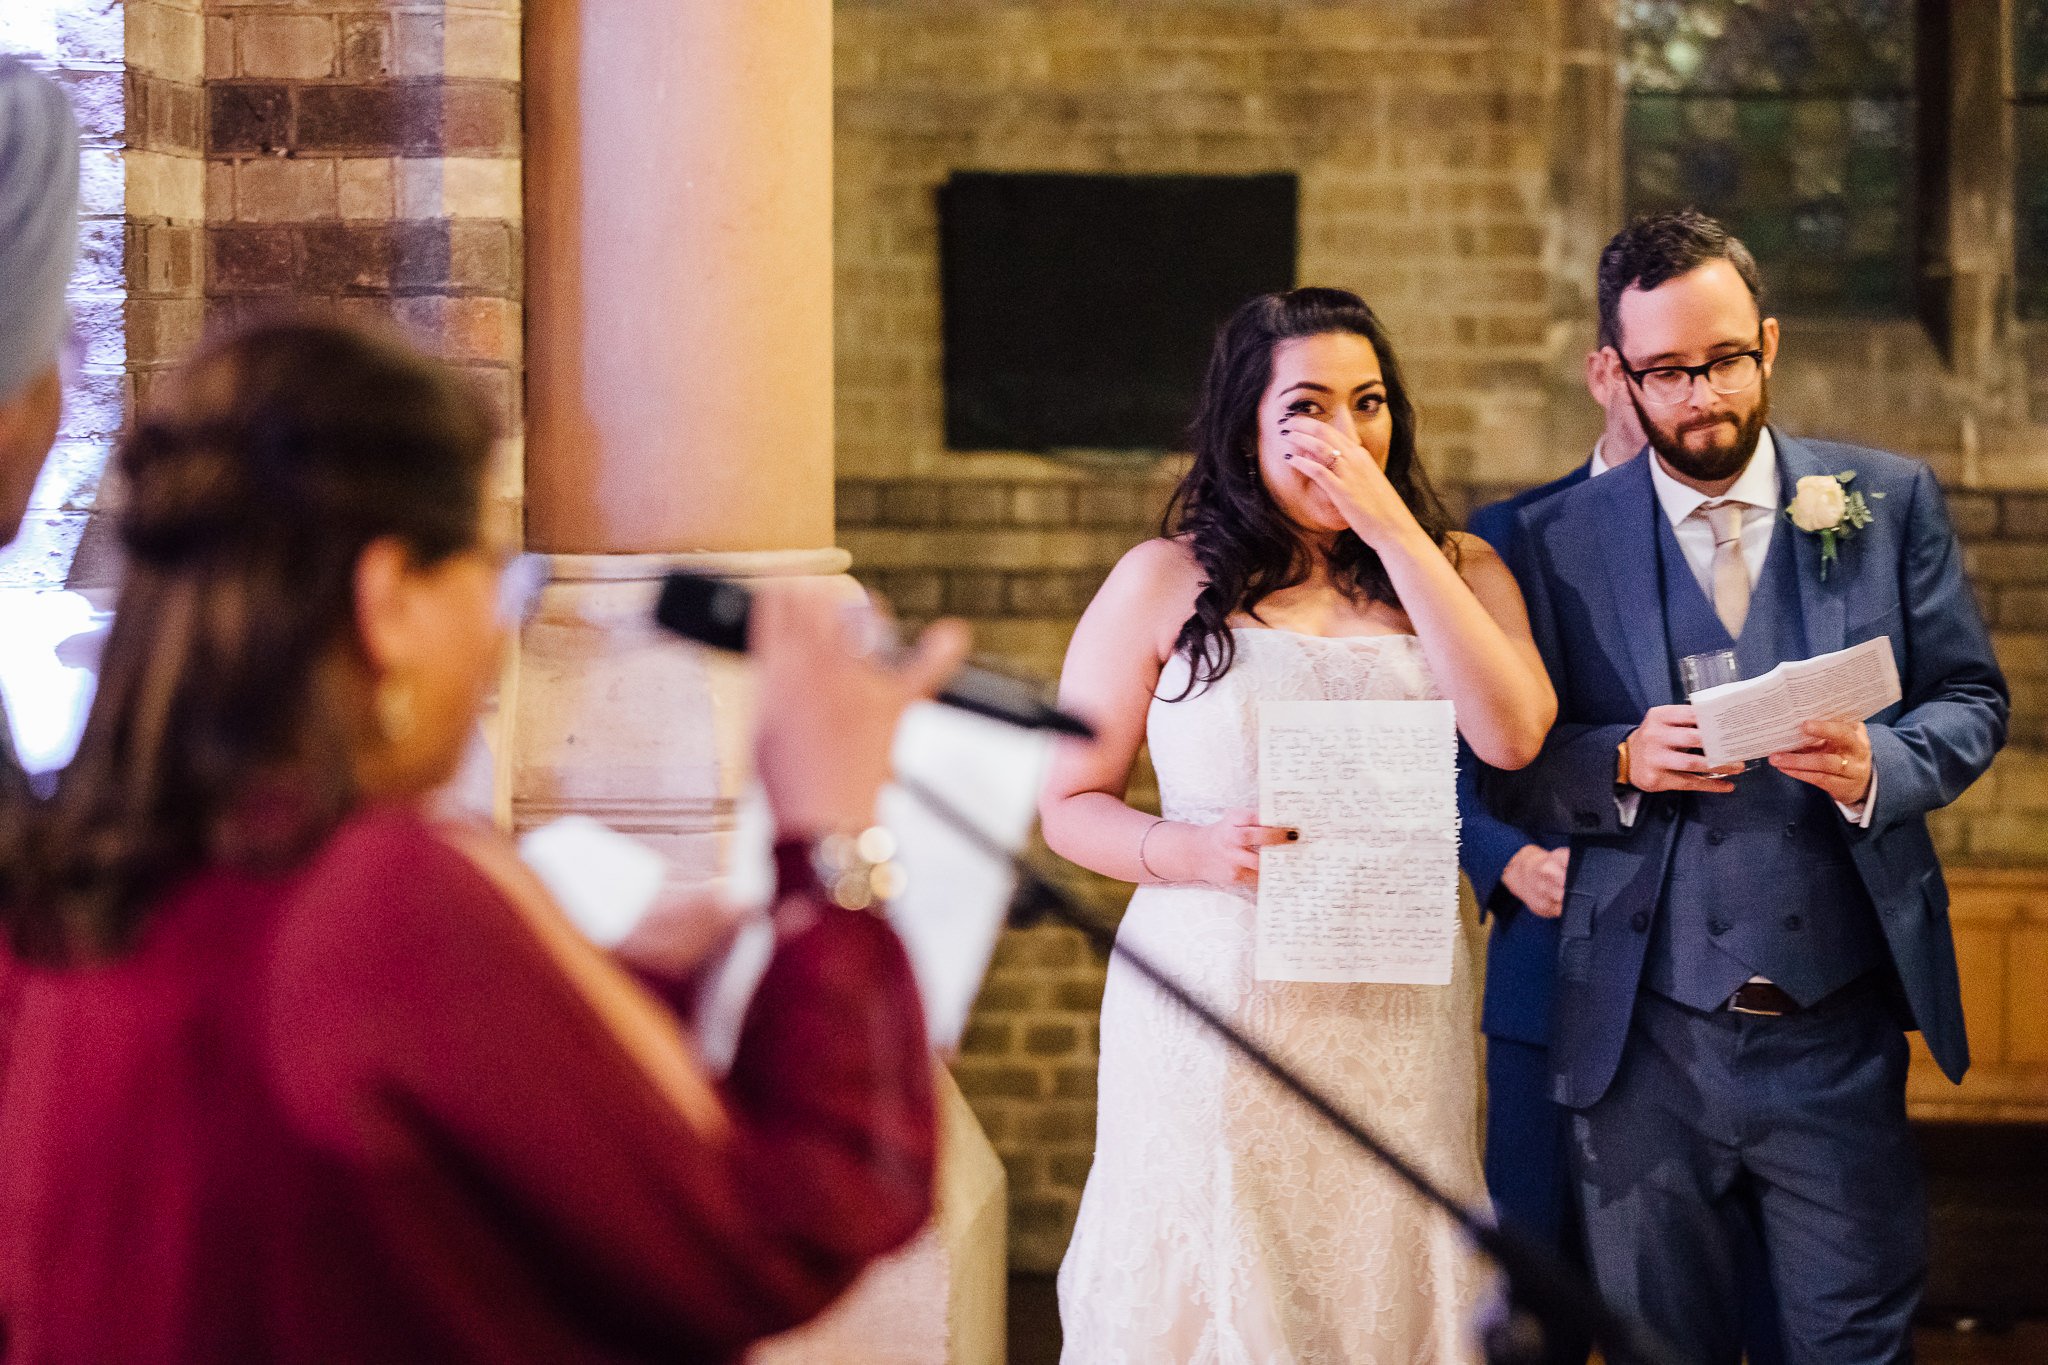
(1722, 458)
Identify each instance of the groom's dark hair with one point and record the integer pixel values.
(1662, 246)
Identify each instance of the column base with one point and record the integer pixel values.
(616, 719)
(941, 1300)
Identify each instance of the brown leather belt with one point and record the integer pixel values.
(1764, 998)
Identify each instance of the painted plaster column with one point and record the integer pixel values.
(679, 383)
(679, 414)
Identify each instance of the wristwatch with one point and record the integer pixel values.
(1621, 765)
(856, 869)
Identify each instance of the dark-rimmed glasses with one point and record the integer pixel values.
(1669, 385)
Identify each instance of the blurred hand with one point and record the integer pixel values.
(1535, 877)
(830, 702)
(1664, 756)
(683, 933)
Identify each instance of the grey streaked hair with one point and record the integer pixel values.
(38, 221)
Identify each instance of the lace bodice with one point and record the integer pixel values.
(1205, 747)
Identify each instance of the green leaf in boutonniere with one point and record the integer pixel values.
(1823, 505)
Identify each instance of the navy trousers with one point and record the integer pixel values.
(1529, 1176)
(1798, 1123)
(1528, 1161)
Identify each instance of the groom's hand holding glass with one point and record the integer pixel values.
(1663, 755)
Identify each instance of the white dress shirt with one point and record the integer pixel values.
(1756, 488)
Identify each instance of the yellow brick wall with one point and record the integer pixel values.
(1459, 167)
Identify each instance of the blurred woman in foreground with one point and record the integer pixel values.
(288, 1073)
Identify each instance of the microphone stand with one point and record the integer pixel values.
(1539, 1281)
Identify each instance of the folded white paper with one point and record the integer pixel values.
(605, 880)
(957, 899)
(1743, 720)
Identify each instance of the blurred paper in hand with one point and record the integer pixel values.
(1758, 716)
(605, 880)
(957, 899)
(1370, 893)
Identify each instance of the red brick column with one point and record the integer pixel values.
(369, 158)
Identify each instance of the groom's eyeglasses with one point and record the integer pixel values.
(1669, 385)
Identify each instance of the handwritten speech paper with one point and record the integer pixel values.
(1370, 893)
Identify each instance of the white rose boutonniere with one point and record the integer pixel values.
(1823, 505)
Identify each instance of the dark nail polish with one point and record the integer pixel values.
(1293, 835)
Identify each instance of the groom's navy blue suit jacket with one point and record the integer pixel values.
(1586, 558)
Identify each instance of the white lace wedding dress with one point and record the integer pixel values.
(1222, 1223)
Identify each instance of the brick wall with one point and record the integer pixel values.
(240, 157)
(365, 156)
(84, 52)
(1459, 166)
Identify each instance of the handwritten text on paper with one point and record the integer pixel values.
(1370, 893)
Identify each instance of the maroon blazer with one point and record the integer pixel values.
(388, 1108)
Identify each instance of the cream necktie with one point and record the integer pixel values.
(1731, 573)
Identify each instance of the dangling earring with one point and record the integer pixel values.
(394, 709)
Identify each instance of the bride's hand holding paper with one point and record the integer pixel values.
(1223, 853)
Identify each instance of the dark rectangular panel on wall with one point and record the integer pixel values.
(2030, 140)
(1079, 309)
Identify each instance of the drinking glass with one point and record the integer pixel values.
(1701, 671)
(1698, 672)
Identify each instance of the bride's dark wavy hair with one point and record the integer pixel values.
(1246, 545)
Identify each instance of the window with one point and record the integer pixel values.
(1793, 123)
(1078, 310)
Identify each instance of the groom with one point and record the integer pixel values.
(1738, 953)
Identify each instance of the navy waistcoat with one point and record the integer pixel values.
(1760, 882)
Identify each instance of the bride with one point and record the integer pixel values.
(1222, 1224)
